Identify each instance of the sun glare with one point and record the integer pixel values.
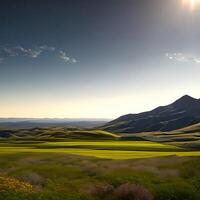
(192, 4)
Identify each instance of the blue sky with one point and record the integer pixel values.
(98, 59)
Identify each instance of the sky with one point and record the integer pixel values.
(96, 59)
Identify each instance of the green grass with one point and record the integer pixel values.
(58, 176)
(61, 163)
(55, 134)
(101, 149)
(188, 137)
(108, 154)
(85, 170)
(113, 145)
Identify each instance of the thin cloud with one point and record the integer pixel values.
(7, 51)
(10, 51)
(14, 51)
(32, 53)
(180, 57)
(74, 60)
(47, 48)
(63, 55)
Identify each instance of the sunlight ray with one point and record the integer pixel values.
(192, 4)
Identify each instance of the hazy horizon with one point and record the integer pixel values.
(84, 118)
(96, 59)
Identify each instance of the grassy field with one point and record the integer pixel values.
(100, 149)
(55, 134)
(53, 164)
(63, 176)
(188, 137)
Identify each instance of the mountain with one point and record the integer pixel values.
(183, 112)
(32, 123)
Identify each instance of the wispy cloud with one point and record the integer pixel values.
(181, 57)
(74, 60)
(47, 48)
(33, 53)
(63, 55)
(7, 51)
(14, 51)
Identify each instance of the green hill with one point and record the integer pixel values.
(191, 129)
(188, 137)
(55, 134)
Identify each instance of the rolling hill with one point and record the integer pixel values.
(188, 137)
(54, 134)
(182, 113)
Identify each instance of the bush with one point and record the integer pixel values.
(131, 192)
(34, 179)
(11, 184)
(101, 191)
(178, 191)
(123, 192)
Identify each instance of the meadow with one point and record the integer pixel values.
(100, 149)
(68, 168)
(58, 176)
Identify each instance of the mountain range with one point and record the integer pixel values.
(48, 122)
(181, 113)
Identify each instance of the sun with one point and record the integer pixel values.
(192, 4)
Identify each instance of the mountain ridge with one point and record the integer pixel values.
(181, 113)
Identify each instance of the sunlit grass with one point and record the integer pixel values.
(108, 150)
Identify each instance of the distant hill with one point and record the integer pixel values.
(32, 123)
(190, 129)
(182, 113)
(54, 134)
(188, 137)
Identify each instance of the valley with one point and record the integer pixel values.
(88, 169)
(68, 162)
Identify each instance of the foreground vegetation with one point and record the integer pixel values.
(58, 176)
(72, 164)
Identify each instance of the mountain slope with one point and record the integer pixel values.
(188, 137)
(183, 112)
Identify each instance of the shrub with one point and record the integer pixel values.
(101, 191)
(34, 179)
(178, 191)
(123, 192)
(131, 192)
(11, 184)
